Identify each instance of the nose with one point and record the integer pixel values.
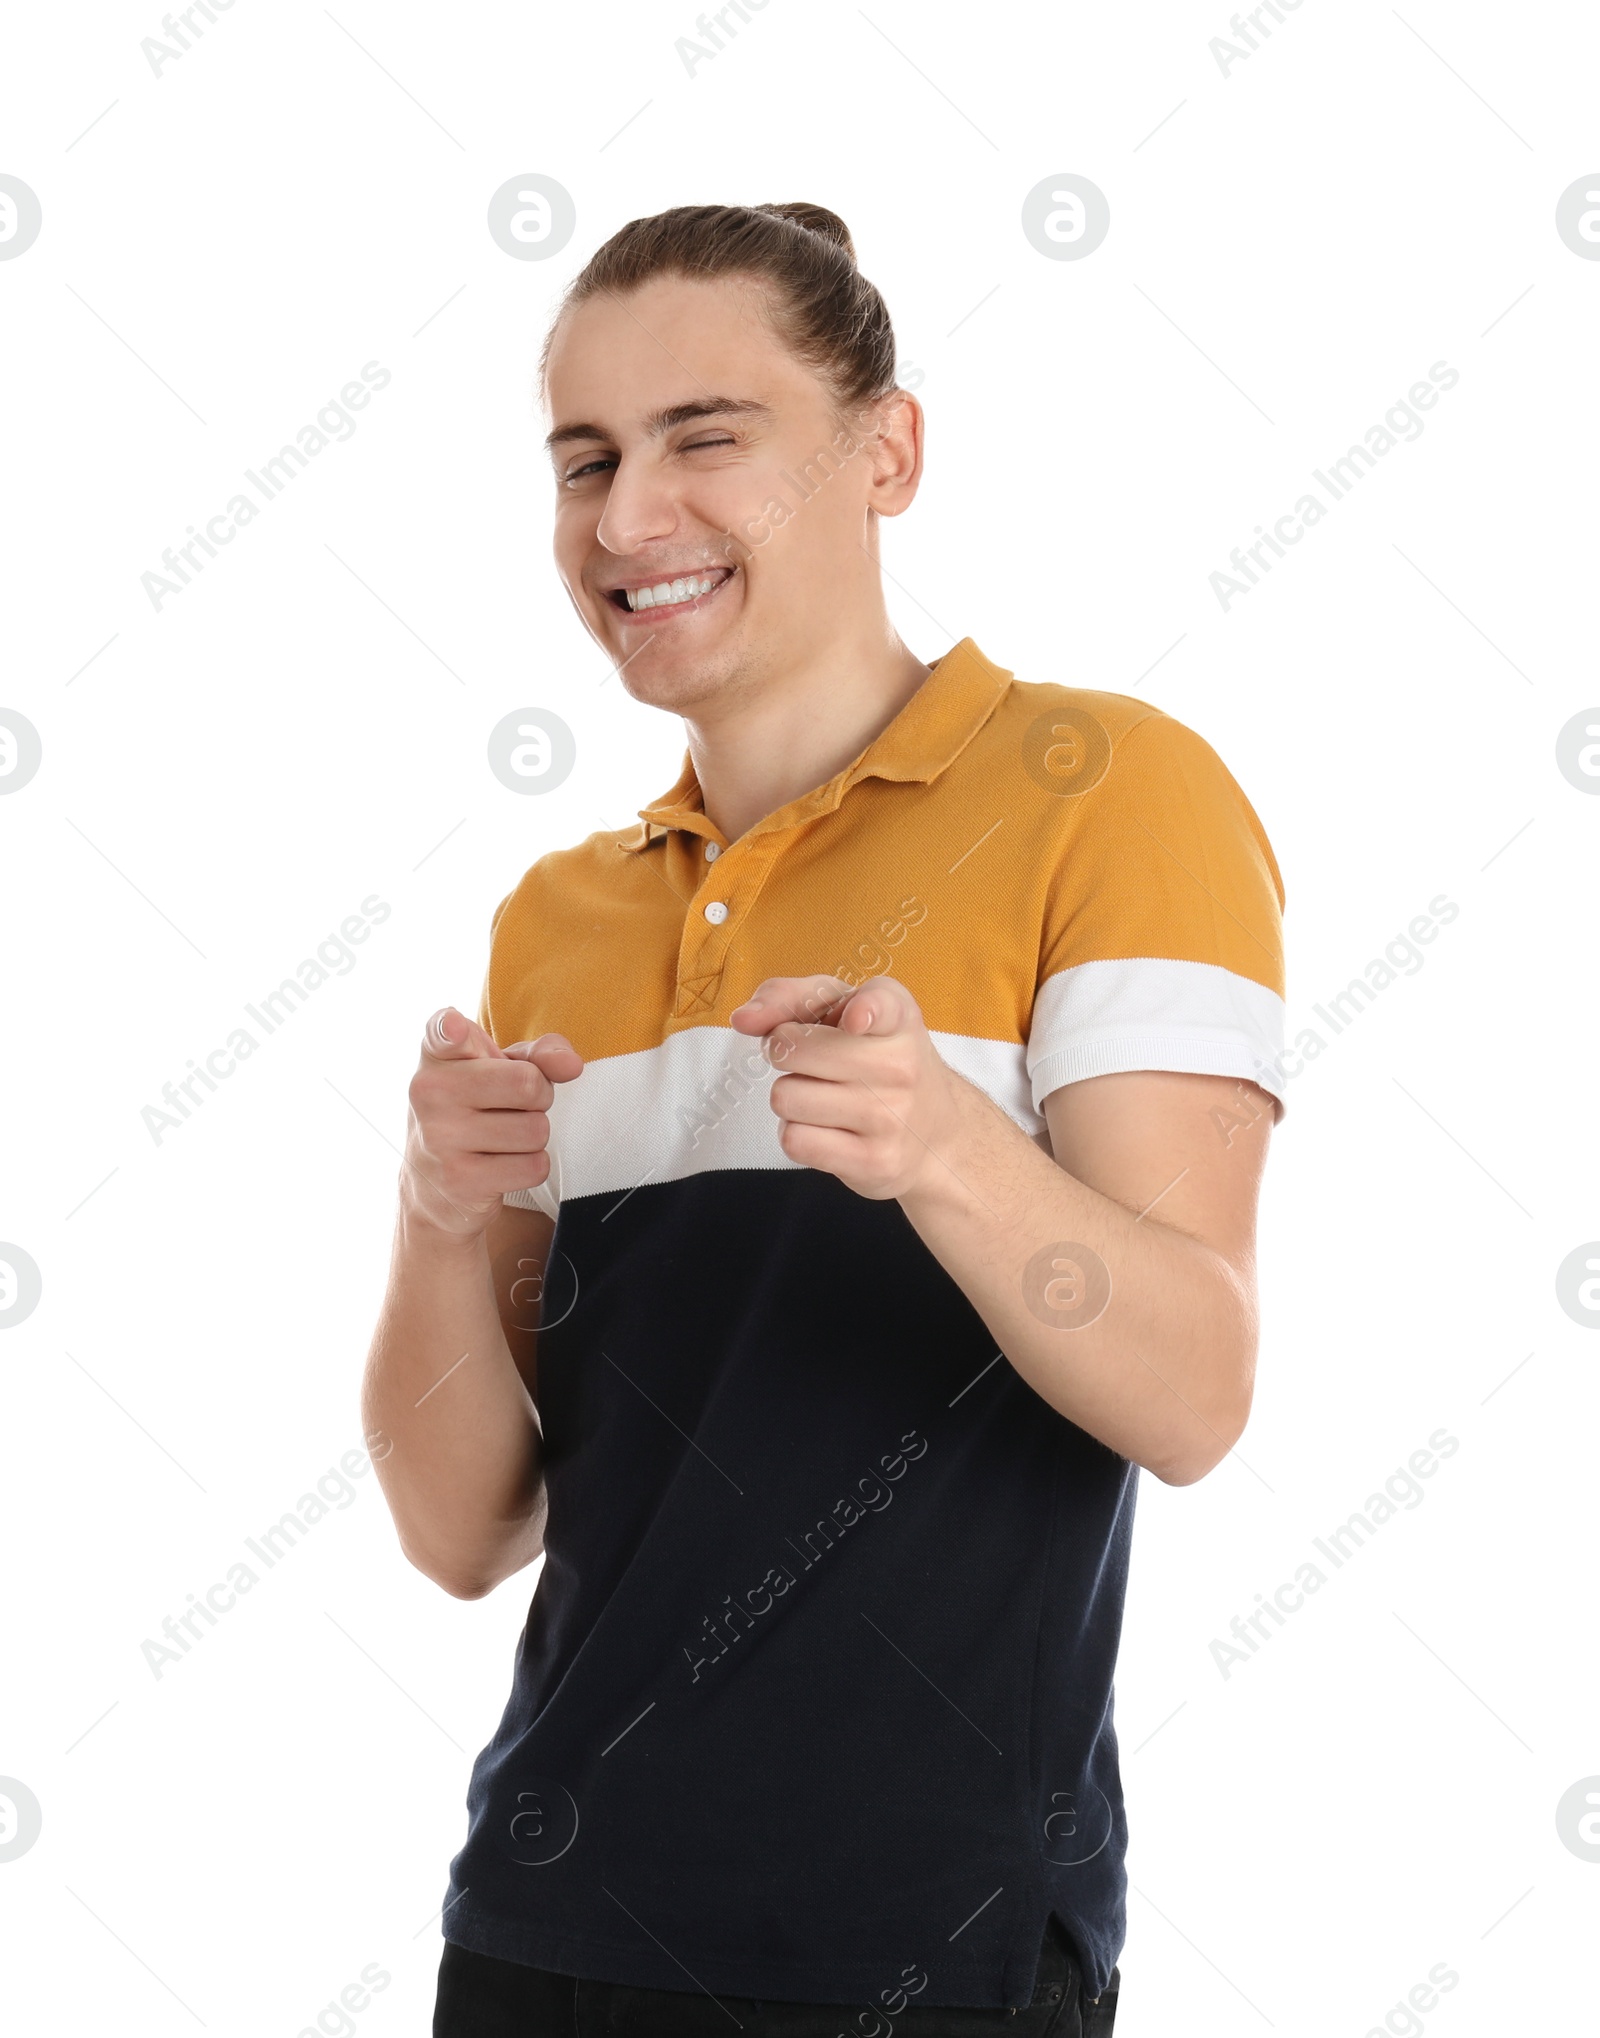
(640, 507)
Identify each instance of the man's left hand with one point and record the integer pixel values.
(862, 1092)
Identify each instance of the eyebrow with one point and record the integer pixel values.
(675, 414)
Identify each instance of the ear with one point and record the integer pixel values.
(894, 447)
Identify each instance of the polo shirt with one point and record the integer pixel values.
(815, 1688)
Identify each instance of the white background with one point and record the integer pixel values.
(1292, 246)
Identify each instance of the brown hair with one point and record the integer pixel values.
(822, 307)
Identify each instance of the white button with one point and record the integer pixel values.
(716, 912)
(712, 852)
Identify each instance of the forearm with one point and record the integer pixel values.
(461, 1460)
(1163, 1374)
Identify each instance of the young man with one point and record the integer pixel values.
(849, 1184)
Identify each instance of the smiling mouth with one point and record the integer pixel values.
(667, 598)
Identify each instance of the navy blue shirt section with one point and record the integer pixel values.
(816, 1682)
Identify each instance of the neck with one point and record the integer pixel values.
(805, 722)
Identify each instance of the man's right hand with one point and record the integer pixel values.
(479, 1123)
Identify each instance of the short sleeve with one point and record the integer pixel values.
(1162, 946)
(544, 1197)
(485, 1008)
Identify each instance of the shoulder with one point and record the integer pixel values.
(552, 940)
(1117, 729)
(1151, 851)
(572, 879)
(1024, 699)
(1117, 764)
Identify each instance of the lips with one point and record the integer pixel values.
(669, 595)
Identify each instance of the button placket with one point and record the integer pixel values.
(736, 874)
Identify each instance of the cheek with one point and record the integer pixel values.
(788, 535)
(828, 525)
(573, 536)
(744, 501)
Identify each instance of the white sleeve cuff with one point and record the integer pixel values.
(1151, 1012)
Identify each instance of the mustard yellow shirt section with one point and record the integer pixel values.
(996, 833)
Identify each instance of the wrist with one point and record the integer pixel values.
(430, 1222)
(947, 1147)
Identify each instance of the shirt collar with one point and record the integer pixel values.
(929, 732)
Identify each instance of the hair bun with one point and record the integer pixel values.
(817, 219)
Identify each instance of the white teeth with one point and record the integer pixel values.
(664, 591)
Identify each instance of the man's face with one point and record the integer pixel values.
(692, 447)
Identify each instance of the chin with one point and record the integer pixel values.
(678, 682)
(678, 675)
